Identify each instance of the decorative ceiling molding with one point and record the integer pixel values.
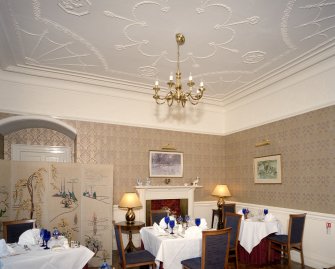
(236, 47)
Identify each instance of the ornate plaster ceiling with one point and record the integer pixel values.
(236, 47)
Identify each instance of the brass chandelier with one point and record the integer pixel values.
(175, 88)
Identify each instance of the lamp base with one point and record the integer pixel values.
(130, 216)
(220, 208)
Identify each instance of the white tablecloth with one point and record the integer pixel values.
(39, 258)
(253, 231)
(170, 250)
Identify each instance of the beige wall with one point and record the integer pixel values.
(307, 147)
(127, 148)
(305, 142)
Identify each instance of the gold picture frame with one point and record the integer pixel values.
(267, 169)
(165, 164)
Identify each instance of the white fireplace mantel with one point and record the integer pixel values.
(165, 192)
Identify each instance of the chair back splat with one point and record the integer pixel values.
(215, 250)
(157, 215)
(13, 229)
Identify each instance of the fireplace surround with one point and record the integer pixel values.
(165, 192)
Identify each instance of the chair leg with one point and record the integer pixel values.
(302, 258)
(289, 257)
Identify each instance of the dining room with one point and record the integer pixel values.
(168, 101)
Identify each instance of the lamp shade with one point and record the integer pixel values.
(221, 191)
(130, 200)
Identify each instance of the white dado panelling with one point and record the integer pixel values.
(318, 245)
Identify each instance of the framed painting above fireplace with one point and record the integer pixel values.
(165, 164)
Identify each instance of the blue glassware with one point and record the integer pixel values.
(197, 221)
(244, 211)
(167, 220)
(172, 223)
(47, 236)
(42, 231)
(105, 265)
(266, 211)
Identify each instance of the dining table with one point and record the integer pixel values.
(253, 245)
(33, 257)
(170, 249)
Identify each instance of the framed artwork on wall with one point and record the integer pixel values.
(165, 164)
(267, 169)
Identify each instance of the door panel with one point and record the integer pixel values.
(40, 153)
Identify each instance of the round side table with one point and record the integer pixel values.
(130, 228)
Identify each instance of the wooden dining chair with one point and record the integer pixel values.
(291, 241)
(157, 215)
(13, 229)
(132, 259)
(226, 208)
(215, 250)
(233, 221)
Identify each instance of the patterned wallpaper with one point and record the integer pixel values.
(306, 144)
(127, 148)
(307, 147)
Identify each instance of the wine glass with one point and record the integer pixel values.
(42, 231)
(56, 233)
(47, 236)
(167, 220)
(187, 219)
(172, 223)
(244, 211)
(197, 221)
(266, 211)
(179, 219)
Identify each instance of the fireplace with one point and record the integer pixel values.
(148, 193)
(177, 207)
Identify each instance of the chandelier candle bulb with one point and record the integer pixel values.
(171, 77)
(190, 77)
(156, 83)
(201, 83)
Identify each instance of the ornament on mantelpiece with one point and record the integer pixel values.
(139, 182)
(196, 181)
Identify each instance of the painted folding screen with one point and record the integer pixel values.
(75, 198)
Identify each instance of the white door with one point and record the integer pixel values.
(37, 153)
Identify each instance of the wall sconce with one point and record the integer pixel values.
(130, 200)
(265, 142)
(221, 191)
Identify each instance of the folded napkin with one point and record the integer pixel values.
(158, 230)
(203, 224)
(193, 232)
(60, 243)
(4, 249)
(269, 217)
(30, 237)
(162, 223)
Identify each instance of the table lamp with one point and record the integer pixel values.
(221, 191)
(130, 200)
